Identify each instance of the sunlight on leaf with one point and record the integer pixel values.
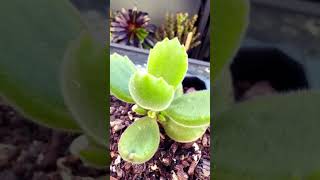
(150, 92)
(168, 59)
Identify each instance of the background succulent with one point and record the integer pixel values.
(132, 27)
(183, 27)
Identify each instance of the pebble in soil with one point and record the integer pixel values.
(173, 160)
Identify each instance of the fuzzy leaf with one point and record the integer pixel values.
(121, 69)
(191, 109)
(84, 86)
(90, 153)
(140, 141)
(150, 92)
(230, 20)
(168, 59)
(181, 133)
(31, 58)
(271, 137)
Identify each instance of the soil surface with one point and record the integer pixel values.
(32, 152)
(173, 160)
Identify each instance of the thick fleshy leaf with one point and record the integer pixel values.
(222, 93)
(90, 153)
(121, 69)
(140, 141)
(168, 59)
(271, 137)
(84, 81)
(150, 92)
(181, 133)
(230, 20)
(192, 109)
(31, 57)
(179, 91)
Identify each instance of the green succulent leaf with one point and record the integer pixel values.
(192, 109)
(169, 60)
(121, 69)
(222, 92)
(142, 33)
(140, 141)
(271, 137)
(31, 58)
(90, 153)
(179, 91)
(150, 92)
(181, 133)
(84, 86)
(230, 20)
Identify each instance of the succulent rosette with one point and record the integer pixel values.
(132, 27)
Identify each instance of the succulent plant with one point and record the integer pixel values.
(157, 94)
(132, 27)
(182, 27)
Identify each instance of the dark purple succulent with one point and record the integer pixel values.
(132, 27)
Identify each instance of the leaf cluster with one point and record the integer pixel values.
(157, 94)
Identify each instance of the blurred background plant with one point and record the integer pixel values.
(182, 26)
(132, 27)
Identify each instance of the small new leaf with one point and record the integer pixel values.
(169, 60)
(150, 92)
(140, 141)
(192, 109)
(121, 69)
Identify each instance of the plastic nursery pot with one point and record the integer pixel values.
(262, 70)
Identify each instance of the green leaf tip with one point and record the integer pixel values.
(169, 60)
(192, 109)
(230, 21)
(140, 141)
(150, 92)
(121, 69)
